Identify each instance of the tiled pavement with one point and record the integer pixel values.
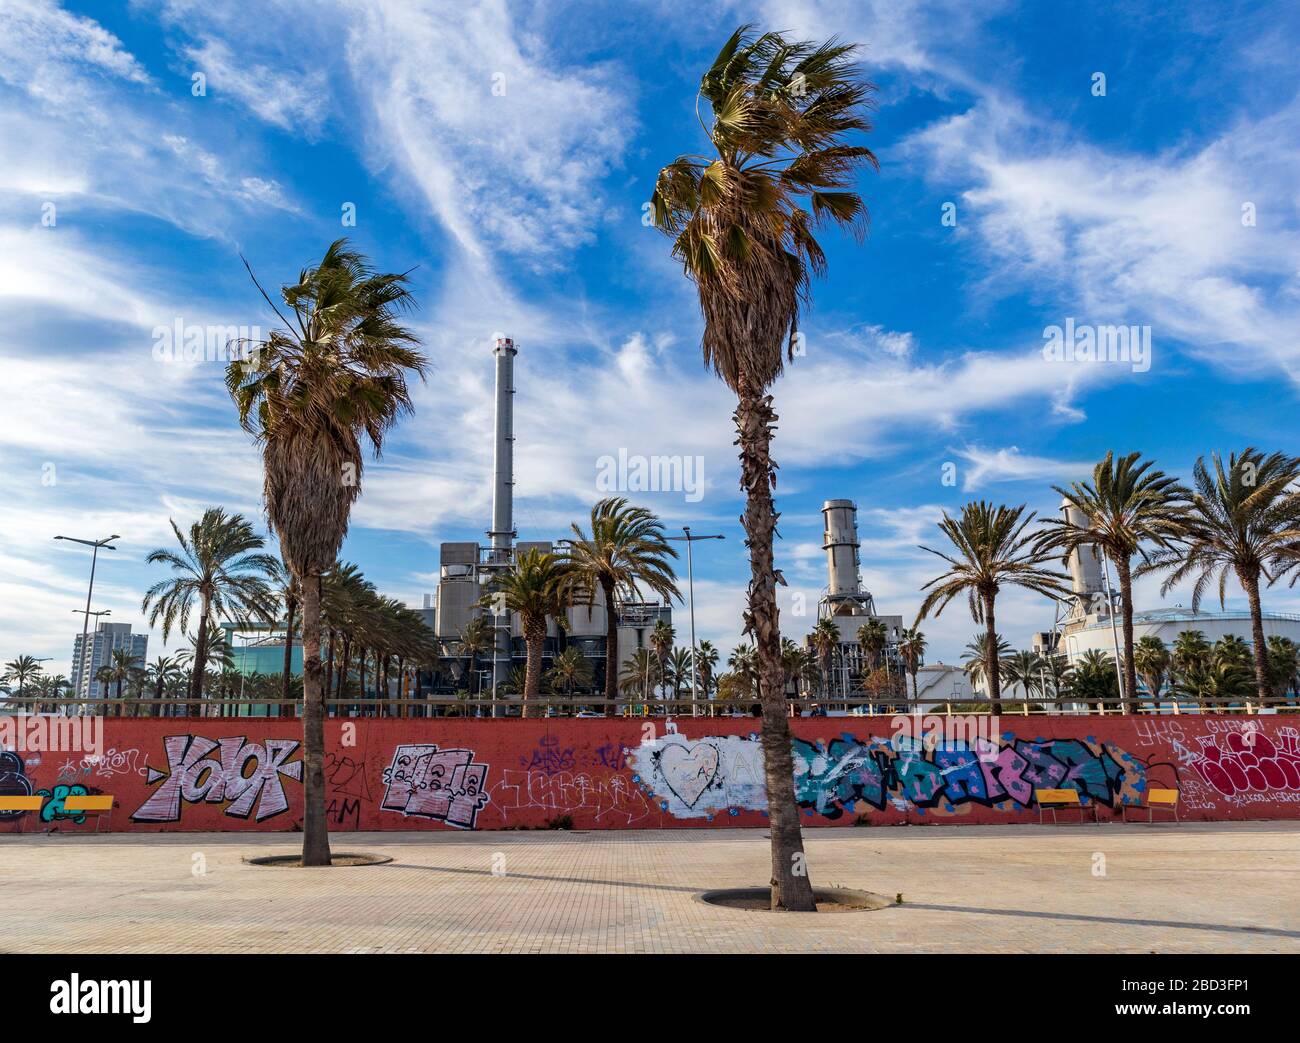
(1193, 888)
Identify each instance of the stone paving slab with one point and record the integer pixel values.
(1208, 887)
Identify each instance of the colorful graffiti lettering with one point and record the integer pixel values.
(13, 781)
(831, 779)
(1247, 762)
(193, 776)
(53, 811)
(444, 785)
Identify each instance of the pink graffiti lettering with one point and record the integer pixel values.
(195, 777)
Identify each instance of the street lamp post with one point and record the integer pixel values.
(107, 543)
(688, 539)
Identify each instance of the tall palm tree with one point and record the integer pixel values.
(1024, 668)
(742, 221)
(52, 686)
(1283, 665)
(974, 657)
(477, 637)
(161, 673)
(799, 664)
(569, 670)
(120, 667)
(219, 566)
(1152, 661)
(1190, 652)
(911, 648)
(662, 636)
(993, 550)
(706, 665)
(1093, 678)
(1244, 521)
(825, 638)
(336, 372)
(537, 587)
(743, 665)
(625, 550)
(1125, 507)
(22, 671)
(872, 637)
(289, 592)
(640, 670)
(677, 671)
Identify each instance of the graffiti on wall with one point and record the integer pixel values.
(1247, 765)
(247, 776)
(705, 777)
(13, 780)
(444, 785)
(1005, 774)
(701, 778)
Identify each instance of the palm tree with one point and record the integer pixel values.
(219, 567)
(640, 669)
(742, 222)
(872, 637)
(161, 673)
(825, 638)
(706, 664)
(537, 587)
(993, 550)
(743, 665)
(335, 373)
(676, 669)
(22, 671)
(974, 657)
(625, 551)
(1190, 652)
(1283, 665)
(289, 592)
(52, 686)
(1244, 520)
(569, 670)
(477, 637)
(1152, 662)
(661, 640)
(1123, 508)
(911, 647)
(1024, 668)
(120, 667)
(1093, 679)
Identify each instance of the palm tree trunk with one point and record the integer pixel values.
(286, 690)
(315, 829)
(329, 669)
(200, 662)
(363, 661)
(1126, 611)
(1250, 583)
(991, 656)
(755, 419)
(611, 651)
(534, 639)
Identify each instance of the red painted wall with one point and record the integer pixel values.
(204, 774)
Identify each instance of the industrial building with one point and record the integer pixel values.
(1092, 619)
(467, 572)
(848, 603)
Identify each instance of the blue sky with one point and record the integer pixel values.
(520, 210)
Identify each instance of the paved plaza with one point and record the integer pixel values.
(1221, 887)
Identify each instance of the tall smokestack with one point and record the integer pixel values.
(840, 542)
(1084, 562)
(502, 532)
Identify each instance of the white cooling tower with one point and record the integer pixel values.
(840, 541)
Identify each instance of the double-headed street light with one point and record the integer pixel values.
(688, 539)
(107, 543)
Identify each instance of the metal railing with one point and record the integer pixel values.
(578, 705)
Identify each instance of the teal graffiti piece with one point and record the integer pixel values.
(52, 809)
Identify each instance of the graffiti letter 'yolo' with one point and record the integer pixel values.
(193, 776)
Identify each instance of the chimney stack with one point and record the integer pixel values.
(502, 533)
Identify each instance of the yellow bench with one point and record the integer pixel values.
(1054, 800)
(1157, 800)
(97, 804)
(14, 802)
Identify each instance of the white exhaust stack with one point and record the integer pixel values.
(502, 533)
(840, 541)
